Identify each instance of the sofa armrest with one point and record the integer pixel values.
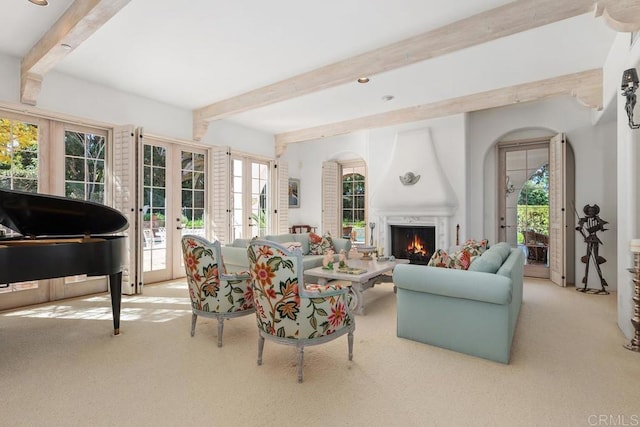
(473, 285)
(339, 244)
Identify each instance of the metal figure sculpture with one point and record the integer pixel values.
(588, 227)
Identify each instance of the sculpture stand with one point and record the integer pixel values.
(634, 345)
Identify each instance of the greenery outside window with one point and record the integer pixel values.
(533, 204)
(354, 215)
(85, 166)
(18, 155)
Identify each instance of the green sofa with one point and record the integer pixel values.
(235, 254)
(469, 311)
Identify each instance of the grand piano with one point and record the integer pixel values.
(61, 237)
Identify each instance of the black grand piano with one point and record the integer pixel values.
(61, 237)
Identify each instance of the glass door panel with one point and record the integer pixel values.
(259, 212)
(154, 210)
(19, 149)
(250, 209)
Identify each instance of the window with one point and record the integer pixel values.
(354, 201)
(250, 200)
(18, 155)
(193, 192)
(84, 158)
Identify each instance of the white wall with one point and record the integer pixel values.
(64, 94)
(305, 162)
(593, 146)
(620, 58)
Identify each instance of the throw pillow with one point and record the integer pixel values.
(319, 245)
(459, 260)
(440, 258)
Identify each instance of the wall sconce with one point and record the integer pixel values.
(509, 187)
(630, 84)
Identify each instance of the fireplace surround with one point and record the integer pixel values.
(413, 242)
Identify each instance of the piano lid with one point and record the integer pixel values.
(32, 214)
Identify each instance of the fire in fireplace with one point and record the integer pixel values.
(415, 243)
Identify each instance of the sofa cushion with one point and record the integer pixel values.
(303, 238)
(281, 238)
(488, 262)
(501, 248)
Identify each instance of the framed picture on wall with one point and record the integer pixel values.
(294, 193)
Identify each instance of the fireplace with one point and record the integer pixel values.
(415, 243)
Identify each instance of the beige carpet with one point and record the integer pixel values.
(60, 366)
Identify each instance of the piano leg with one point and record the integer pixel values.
(115, 286)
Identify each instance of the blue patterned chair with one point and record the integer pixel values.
(213, 292)
(288, 311)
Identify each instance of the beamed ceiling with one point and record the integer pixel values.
(289, 67)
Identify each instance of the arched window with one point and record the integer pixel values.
(354, 201)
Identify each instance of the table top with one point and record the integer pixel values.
(373, 268)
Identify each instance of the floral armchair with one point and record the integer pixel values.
(288, 311)
(213, 292)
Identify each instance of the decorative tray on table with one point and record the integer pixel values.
(351, 270)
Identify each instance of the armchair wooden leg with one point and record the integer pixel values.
(350, 340)
(260, 348)
(194, 317)
(220, 328)
(300, 362)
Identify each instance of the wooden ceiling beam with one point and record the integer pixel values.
(586, 86)
(621, 15)
(512, 18)
(78, 23)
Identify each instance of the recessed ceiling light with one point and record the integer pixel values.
(40, 2)
(65, 46)
(387, 98)
(363, 80)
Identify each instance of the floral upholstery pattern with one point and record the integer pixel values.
(292, 312)
(319, 245)
(212, 291)
(460, 259)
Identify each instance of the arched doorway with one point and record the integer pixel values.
(535, 199)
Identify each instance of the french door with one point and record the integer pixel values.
(174, 197)
(251, 199)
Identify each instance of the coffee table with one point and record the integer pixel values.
(373, 274)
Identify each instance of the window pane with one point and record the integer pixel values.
(198, 181)
(18, 155)
(159, 156)
(74, 144)
(198, 197)
(75, 190)
(85, 166)
(74, 169)
(198, 162)
(95, 193)
(187, 180)
(187, 161)
(159, 177)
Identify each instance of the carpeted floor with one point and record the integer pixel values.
(60, 366)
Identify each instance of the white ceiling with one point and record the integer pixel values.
(198, 52)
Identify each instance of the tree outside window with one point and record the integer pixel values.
(354, 202)
(533, 204)
(18, 155)
(85, 166)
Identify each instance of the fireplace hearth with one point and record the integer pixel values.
(415, 243)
